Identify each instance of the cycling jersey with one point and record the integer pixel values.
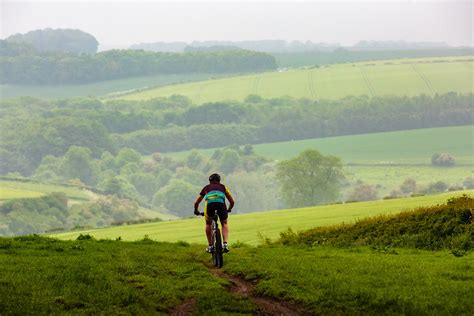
(214, 194)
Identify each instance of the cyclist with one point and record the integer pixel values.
(215, 194)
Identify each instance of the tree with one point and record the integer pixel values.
(177, 197)
(310, 179)
(363, 192)
(62, 40)
(443, 160)
(77, 164)
(408, 186)
(229, 161)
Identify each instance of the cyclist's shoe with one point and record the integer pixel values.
(210, 249)
(225, 247)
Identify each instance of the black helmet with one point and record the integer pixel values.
(214, 177)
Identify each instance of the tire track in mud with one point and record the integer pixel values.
(265, 305)
(312, 91)
(255, 85)
(367, 82)
(424, 78)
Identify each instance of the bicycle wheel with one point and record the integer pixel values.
(217, 254)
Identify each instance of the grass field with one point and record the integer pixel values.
(45, 276)
(389, 77)
(401, 147)
(104, 88)
(386, 159)
(15, 189)
(249, 228)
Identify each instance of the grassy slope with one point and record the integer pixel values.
(103, 88)
(386, 158)
(247, 227)
(40, 276)
(410, 146)
(360, 281)
(333, 82)
(17, 190)
(13, 189)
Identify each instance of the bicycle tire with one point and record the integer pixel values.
(217, 255)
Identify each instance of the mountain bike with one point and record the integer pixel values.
(216, 240)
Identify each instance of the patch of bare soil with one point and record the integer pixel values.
(184, 309)
(266, 305)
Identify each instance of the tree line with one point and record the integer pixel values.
(23, 64)
(31, 129)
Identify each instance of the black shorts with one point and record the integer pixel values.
(212, 208)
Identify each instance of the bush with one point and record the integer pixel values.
(445, 226)
(443, 160)
(363, 192)
(468, 183)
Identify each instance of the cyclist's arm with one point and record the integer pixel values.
(198, 201)
(230, 199)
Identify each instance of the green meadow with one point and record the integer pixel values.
(408, 77)
(16, 189)
(253, 228)
(400, 147)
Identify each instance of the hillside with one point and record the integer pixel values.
(251, 228)
(394, 77)
(146, 277)
(443, 226)
(401, 147)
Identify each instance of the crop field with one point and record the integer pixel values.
(389, 77)
(251, 228)
(107, 88)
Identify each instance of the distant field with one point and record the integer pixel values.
(401, 147)
(103, 88)
(248, 227)
(389, 77)
(16, 190)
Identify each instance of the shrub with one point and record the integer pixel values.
(443, 160)
(468, 183)
(445, 226)
(363, 192)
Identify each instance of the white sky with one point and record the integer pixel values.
(121, 23)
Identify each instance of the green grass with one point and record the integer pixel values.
(43, 276)
(47, 276)
(104, 88)
(389, 77)
(15, 190)
(249, 228)
(401, 147)
(360, 281)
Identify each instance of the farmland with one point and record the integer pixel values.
(401, 147)
(104, 88)
(251, 228)
(395, 77)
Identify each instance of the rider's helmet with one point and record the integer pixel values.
(214, 177)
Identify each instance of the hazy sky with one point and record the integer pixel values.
(121, 23)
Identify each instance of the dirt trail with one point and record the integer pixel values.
(266, 305)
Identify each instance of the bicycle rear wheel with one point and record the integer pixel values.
(217, 257)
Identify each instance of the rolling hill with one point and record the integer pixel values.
(390, 77)
(251, 228)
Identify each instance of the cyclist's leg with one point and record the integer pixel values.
(225, 230)
(208, 217)
(223, 215)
